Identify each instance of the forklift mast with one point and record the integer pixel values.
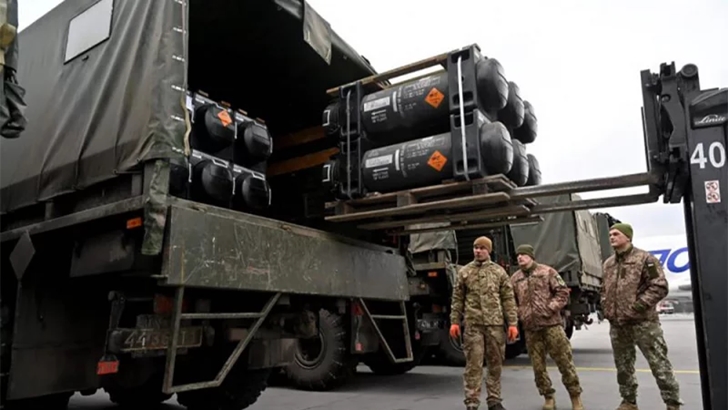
(685, 140)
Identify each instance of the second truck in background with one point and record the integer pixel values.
(572, 242)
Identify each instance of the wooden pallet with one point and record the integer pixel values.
(466, 203)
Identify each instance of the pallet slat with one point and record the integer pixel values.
(463, 203)
(478, 216)
(496, 182)
(450, 204)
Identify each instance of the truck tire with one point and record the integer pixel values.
(516, 349)
(51, 402)
(147, 394)
(380, 364)
(324, 363)
(569, 328)
(238, 391)
(450, 351)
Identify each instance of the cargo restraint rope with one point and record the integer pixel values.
(462, 116)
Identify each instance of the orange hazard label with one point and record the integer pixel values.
(225, 118)
(434, 97)
(437, 160)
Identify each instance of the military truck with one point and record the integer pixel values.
(153, 241)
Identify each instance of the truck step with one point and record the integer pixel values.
(383, 335)
(168, 383)
(465, 205)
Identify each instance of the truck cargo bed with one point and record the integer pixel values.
(219, 248)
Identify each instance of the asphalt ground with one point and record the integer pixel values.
(440, 387)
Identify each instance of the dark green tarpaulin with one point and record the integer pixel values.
(120, 102)
(105, 109)
(100, 113)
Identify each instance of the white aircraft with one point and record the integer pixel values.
(672, 252)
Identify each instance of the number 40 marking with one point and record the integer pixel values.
(716, 155)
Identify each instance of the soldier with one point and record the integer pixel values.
(541, 293)
(483, 295)
(634, 283)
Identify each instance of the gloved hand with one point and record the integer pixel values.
(454, 331)
(512, 333)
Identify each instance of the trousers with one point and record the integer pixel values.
(483, 343)
(649, 338)
(552, 340)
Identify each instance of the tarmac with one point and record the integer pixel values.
(440, 388)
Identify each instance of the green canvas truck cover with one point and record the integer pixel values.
(106, 83)
(566, 241)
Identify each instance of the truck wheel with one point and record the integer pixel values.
(51, 402)
(148, 394)
(323, 363)
(238, 391)
(450, 350)
(516, 349)
(380, 364)
(569, 328)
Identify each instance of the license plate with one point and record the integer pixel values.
(157, 339)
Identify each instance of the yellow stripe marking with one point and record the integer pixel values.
(601, 369)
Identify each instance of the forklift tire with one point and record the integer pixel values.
(323, 363)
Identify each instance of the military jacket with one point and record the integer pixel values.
(634, 283)
(483, 295)
(541, 293)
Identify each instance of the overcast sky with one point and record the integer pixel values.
(578, 62)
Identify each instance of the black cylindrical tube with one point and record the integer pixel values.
(418, 107)
(213, 129)
(426, 161)
(496, 148)
(212, 182)
(407, 165)
(253, 144)
(519, 171)
(492, 85)
(527, 132)
(252, 191)
(512, 114)
(534, 171)
(407, 111)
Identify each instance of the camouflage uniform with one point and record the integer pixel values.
(483, 294)
(634, 283)
(541, 293)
